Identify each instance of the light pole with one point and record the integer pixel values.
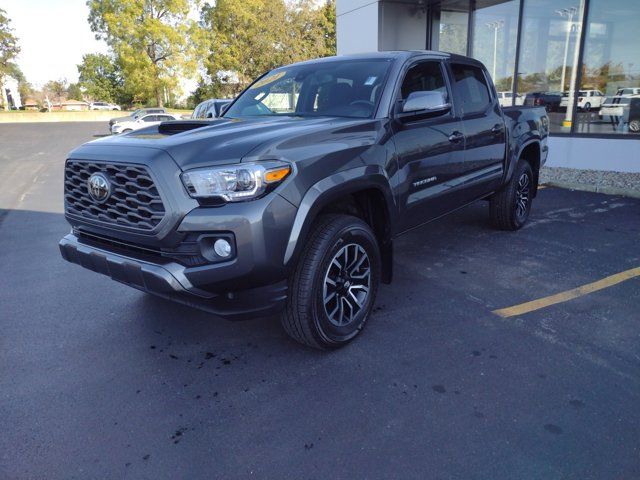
(569, 13)
(496, 25)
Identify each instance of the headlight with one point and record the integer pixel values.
(234, 183)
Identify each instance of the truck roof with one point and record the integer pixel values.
(391, 55)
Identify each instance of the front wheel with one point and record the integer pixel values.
(510, 207)
(634, 125)
(334, 285)
(587, 107)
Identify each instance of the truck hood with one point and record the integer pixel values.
(199, 144)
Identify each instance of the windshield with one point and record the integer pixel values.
(342, 88)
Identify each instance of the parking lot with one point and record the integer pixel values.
(98, 380)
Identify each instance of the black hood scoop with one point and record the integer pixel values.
(172, 128)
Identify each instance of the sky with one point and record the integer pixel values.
(53, 36)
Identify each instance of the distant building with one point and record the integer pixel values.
(71, 106)
(30, 104)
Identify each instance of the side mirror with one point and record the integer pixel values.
(425, 102)
(224, 108)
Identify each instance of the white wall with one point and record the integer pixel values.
(403, 26)
(357, 26)
(594, 154)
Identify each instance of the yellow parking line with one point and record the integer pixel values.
(568, 295)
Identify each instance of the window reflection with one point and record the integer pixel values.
(454, 23)
(611, 65)
(549, 50)
(495, 29)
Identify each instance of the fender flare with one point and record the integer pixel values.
(516, 155)
(331, 188)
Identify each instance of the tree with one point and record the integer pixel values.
(101, 78)
(56, 89)
(151, 41)
(26, 90)
(251, 37)
(9, 50)
(74, 91)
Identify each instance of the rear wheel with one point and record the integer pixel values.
(510, 208)
(587, 107)
(334, 285)
(634, 125)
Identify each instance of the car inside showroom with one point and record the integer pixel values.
(577, 58)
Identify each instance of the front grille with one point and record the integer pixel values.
(134, 201)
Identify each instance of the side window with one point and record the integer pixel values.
(472, 88)
(150, 118)
(425, 76)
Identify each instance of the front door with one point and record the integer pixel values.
(484, 129)
(430, 149)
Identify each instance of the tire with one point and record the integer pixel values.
(318, 284)
(509, 209)
(634, 125)
(127, 130)
(587, 107)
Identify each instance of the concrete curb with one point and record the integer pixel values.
(620, 192)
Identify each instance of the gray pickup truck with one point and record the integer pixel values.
(291, 201)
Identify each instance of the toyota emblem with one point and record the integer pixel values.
(99, 187)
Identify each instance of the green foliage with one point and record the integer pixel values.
(26, 90)
(151, 41)
(101, 79)
(204, 91)
(56, 90)
(9, 50)
(74, 92)
(251, 37)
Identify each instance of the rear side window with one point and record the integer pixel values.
(425, 76)
(472, 88)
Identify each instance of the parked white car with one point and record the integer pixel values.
(505, 99)
(617, 105)
(143, 122)
(587, 99)
(627, 92)
(103, 106)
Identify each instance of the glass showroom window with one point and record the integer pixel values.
(610, 69)
(495, 29)
(454, 23)
(549, 46)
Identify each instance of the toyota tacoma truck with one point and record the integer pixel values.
(290, 202)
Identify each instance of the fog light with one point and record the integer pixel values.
(222, 248)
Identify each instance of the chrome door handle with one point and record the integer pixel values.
(496, 130)
(456, 137)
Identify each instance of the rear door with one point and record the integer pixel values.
(483, 127)
(430, 148)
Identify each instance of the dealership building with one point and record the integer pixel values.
(579, 58)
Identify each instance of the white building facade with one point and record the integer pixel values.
(10, 94)
(578, 58)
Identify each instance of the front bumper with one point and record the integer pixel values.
(170, 280)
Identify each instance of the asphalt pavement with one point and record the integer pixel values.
(98, 380)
